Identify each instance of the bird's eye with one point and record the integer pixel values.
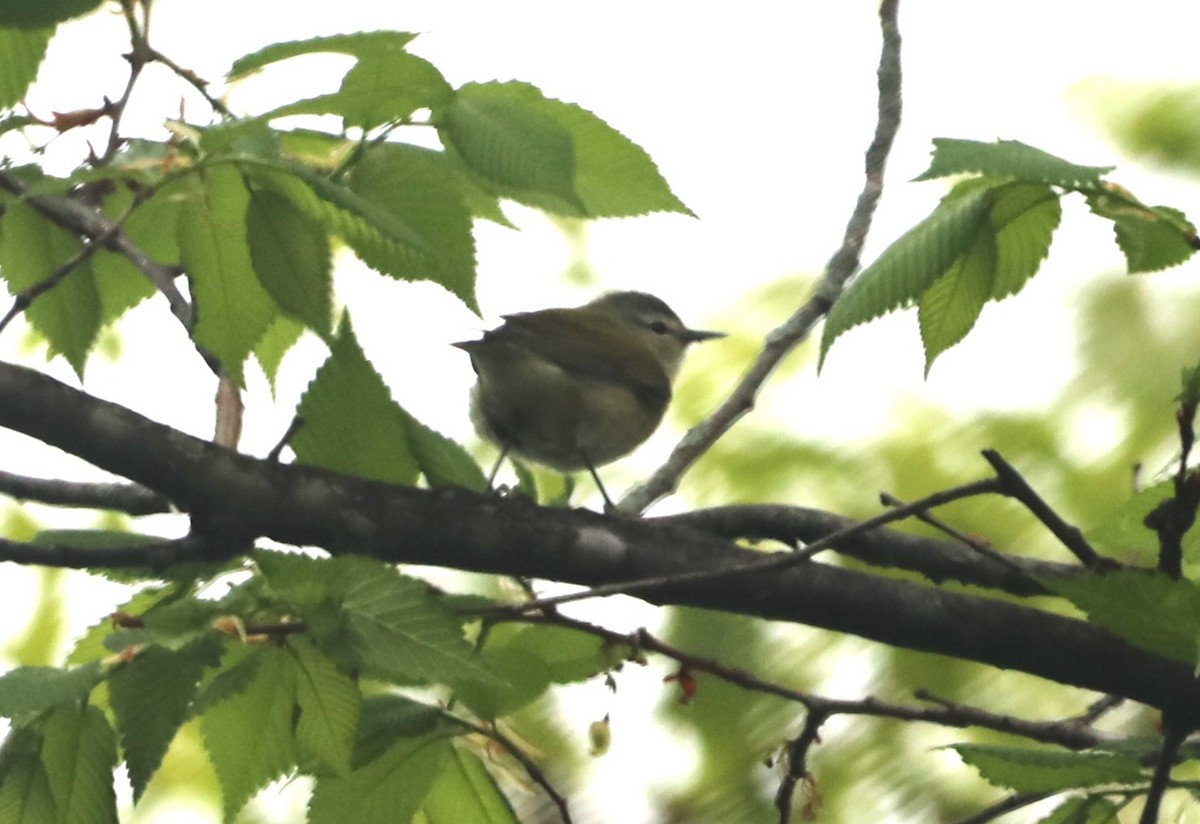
(658, 327)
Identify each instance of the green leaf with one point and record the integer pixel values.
(1028, 770)
(443, 462)
(278, 340)
(388, 626)
(291, 258)
(414, 188)
(36, 689)
(1143, 607)
(504, 136)
(233, 310)
(387, 718)
(530, 659)
(152, 228)
(21, 53)
(25, 796)
(151, 697)
(389, 789)
(90, 646)
(360, 44)
(1122, 532)
(1009, 158)
(351, 423)
(949, 308)
(613, 176)
(79, 751)
(31, 250)
(1151, 239)
(466, 793)
(23, 14)
(1024, 216)
(912, 264)
(249, 734)
(380, 88)
(328, 702)
(1083, 810)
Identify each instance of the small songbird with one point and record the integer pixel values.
(577, 388)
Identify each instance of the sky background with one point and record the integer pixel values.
(757, 115)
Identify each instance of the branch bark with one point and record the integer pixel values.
(240, 498)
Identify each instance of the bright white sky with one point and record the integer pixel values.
(757, 114)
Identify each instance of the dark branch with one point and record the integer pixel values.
(234, 494)
(1017, 487)
(1173, 736)
(157, 557)
(128, 498)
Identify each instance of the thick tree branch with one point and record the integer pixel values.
(844, 263)
(245, 498)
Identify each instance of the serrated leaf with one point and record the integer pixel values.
(1143, 607)
(412, 187)
(25, 796)
(387, 718)
(1150, 242)
(21, 53)
(909, 266)
(613, 176)
(232, 308)
(359, 44)
(351, 423)
(1009, 158)
(949, 308)
(152, 228)
(466, 793)
(291, 258)
(380, 88)
(389, 789)
(328, 702)
(31, 250)
(22, 14)
(1028, 770)
(443, 462)
(387, 625)
(151, 697)
(501, 133)
(1024, 217)
(36, 689)
(273, 346)
(79, 751)
(249, 734)
(90, 646)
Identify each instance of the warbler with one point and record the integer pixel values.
(575, 389)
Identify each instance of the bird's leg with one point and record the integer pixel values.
(609, 506)
(496, 468)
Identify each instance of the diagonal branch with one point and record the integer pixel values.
(844, 263)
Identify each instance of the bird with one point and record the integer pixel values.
(577, 388)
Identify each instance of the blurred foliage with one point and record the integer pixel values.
(1133, 340)
(1154, 121)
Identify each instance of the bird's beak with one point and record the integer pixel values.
(696, 335)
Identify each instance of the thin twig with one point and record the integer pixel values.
(797, 763)
(784, 338)
(535, 772)
(1008, 804)
(977, 546)
(1070, 536)
(26, 297)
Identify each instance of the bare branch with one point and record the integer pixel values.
(131, 499)
(844, 263)
(157, 556)
(1173, 736)
(1070, 536)
(236, 495)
